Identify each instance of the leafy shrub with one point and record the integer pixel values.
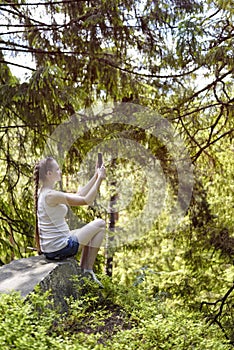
(28, 324)
(115, 317)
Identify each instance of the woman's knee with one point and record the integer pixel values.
(100, 223)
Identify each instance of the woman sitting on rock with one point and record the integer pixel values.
(53, 237)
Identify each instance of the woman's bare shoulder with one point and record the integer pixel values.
(54, 197)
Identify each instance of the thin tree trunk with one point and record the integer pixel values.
(113, 217)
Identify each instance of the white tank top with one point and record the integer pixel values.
(53, 229)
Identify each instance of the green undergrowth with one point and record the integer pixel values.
(115, 317)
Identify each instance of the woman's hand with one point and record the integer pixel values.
(102, 172)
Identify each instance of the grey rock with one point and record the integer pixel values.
(24, 275)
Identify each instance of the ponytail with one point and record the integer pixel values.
(36, 183)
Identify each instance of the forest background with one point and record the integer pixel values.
(150, 85)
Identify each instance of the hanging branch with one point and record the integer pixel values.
(45, 3)
(215, 318)
(17, 65)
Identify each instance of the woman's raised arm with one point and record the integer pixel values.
(75, 199)
(84, 190)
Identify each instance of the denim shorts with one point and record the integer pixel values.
(71, 249)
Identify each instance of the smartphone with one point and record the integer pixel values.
(100, 162)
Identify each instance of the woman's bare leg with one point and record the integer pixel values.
(90, 237)
(84, 256)
(86, 234)
(88, 257)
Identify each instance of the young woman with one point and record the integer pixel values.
(53, 236)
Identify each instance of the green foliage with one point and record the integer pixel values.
(175, 57)
(27, 324)
(112, 318)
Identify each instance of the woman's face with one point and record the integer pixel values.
(55, 173)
